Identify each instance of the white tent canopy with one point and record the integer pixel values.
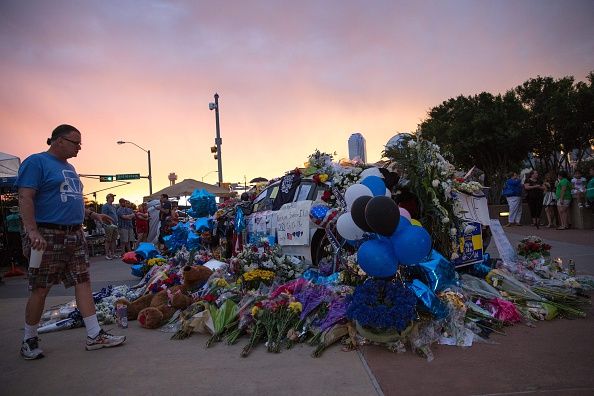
(9, 165)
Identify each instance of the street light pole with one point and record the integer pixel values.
(218, 141)
(150, 173)
(208, 174)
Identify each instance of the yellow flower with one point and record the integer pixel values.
(323, 177)
(255, 310)
(221, 283)
(295, 306)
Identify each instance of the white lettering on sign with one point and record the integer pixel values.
(292, 223)
(471, 208)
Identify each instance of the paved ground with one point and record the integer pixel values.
(554, 358)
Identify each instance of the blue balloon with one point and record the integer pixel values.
(376, 257)
(317, 213)
(402, 224)
(203, 203)
(375, 184)
(428, 299)
(193, 241)
(146, 250)
(239, 220)
(439, 272)
(202, 224)
(411, 244)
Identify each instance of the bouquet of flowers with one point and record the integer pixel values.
(382, 306)
(341, 178)
(269, 258)
(468, 187)
(430, 177)
(253, 279)
(155, 261)
(352, 274)
(273, 318)
(533, 247)
(318, 162)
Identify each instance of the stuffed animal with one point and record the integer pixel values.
(152, 310)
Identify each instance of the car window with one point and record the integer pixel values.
(265, 199)
(302, 192)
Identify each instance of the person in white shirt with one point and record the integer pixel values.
(578, 187)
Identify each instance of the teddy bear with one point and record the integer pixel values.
(152, 310)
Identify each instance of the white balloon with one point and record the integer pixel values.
(347, 228)
(370, 172)
(355, 191)
(388, 193)
(404, 213)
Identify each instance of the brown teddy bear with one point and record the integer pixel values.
(152, 310)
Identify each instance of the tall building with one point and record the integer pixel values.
(357, 148)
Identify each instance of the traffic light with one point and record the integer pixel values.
(213, 149)
(216, 157)
(106, 178)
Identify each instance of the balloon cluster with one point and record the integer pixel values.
(203, 204)
(187, 234)
(396, 240)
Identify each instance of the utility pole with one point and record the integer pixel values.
(218, 141)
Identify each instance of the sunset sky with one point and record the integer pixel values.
(292, 76)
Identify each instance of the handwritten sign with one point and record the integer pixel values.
(260, 225)
(292, 223)
(471, 208)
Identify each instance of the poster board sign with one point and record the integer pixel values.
(292, 223)
(260, 226)
(470, 245)
(471, 208)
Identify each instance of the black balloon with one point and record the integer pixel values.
(358, 212)
(381, 215)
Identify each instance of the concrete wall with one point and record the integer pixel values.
(581, 218)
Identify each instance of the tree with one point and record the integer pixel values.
(560, 118)
(483, 130)
(584, 116)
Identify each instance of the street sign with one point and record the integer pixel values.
(128, 176)
(106, 178)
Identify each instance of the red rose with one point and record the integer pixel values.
(209, 298)
(326, 196)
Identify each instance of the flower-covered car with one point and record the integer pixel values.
(291, 195)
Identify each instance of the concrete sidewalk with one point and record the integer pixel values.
(555, 357)
(152, 364)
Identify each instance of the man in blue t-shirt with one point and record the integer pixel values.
(125, 226)
(52, 209)
(111, 230)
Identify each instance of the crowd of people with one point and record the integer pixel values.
(554, 193)
(131, 224)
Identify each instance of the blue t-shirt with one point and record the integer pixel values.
(512, 188)
(59, 198)
(124, 223)
(110, 210)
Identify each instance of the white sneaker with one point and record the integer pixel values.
(104, 340)
(30, 349)
(108, 258)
